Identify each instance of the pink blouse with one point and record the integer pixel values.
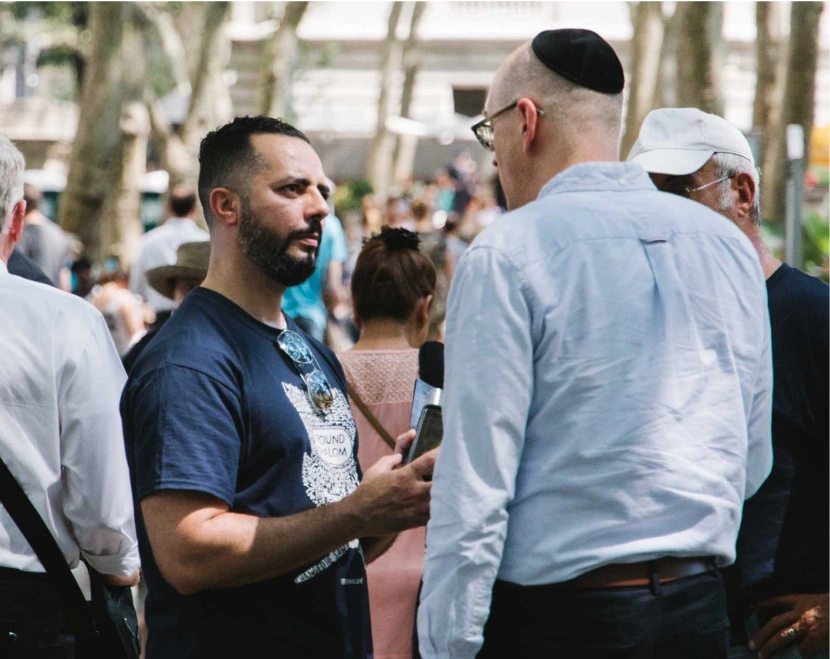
(384, 380)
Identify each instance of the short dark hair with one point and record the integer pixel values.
(391, 276)
(182, 200)
(32, 196)
(227, 157)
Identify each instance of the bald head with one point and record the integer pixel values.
(575, 109)
(542, 122)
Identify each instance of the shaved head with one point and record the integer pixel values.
(575, 108)
(555, 124)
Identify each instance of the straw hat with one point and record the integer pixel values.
(192, 261)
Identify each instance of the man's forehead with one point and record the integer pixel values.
(279, 152)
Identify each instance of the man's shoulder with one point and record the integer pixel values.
(48, 301)
(193, 339)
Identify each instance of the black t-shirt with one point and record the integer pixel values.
(213, 405)
(783, 542)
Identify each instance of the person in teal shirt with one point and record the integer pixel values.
(304, 303)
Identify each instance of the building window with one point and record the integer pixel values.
(469, 101)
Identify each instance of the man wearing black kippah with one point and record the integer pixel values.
(608, 392)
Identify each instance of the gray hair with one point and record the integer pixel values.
(12, 166)
(730, 164)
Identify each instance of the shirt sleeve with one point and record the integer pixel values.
(339, 248)
(759, 432)
(98, 503)
(186, 430)
(488, 388)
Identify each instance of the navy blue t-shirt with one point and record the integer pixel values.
(213, 405)
(782, 546)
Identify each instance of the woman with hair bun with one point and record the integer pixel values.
(392, 288)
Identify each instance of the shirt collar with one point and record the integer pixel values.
(4, 269)
(599, 176)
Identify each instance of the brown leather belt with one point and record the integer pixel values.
(619, 575)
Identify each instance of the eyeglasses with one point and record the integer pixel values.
(317, 386)
(483, 130)
(683, 191)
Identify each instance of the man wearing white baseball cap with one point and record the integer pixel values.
(781, 568)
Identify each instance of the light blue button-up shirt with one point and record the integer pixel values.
(608, 395)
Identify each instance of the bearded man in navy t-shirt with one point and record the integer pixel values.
(254, 520)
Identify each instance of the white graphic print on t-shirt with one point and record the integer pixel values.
(330, 471)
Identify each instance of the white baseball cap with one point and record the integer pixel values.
(679, 141)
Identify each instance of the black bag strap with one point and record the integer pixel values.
(33, 528)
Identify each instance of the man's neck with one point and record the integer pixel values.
(768, 261)
(248, 287)
(558, 161)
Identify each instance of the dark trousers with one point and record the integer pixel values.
(32, 618)
(682, 619)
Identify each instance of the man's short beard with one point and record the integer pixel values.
(268, 250)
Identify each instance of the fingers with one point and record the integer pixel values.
(425, 465)
(403, 442)
(386, 463)
(775, 634)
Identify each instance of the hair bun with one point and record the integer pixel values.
(400, 238)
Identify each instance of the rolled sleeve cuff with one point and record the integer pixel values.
(123, 564)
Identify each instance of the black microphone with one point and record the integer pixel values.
(430, 383)
(431, 364)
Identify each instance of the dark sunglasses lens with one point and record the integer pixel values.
(319, 390)
(295, 347)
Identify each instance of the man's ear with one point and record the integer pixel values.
(16, 226)
(529, 116)
(226, 206)
(745, 186)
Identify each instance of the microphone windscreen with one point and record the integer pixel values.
(431, 364)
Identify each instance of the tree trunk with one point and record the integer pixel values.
(665, 88)
(647, 48)
(121, 226)
(380, 151)
(798, 103)
(93, 165)
(275, 65)
(404, 157)
(698, 75)
(769, 89)
(210, 103)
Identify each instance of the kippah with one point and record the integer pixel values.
(581, 56)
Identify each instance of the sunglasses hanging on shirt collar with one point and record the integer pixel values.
(317, 386)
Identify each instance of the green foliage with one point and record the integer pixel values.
(816, 245)
(69, 13)
(347, 198)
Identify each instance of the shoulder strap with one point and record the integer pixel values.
(379, 429)
(33, 528)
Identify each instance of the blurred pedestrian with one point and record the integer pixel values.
(254, 523)
(607, 393)
(781, 574)
(392, 288)
(309, 303)
(158, 247)
(174, 282)
(60, 437)
(24, 267)
(44, 242)
(123, 311)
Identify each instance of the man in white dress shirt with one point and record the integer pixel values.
(60, 436)
(158, 247)
(608, 392)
